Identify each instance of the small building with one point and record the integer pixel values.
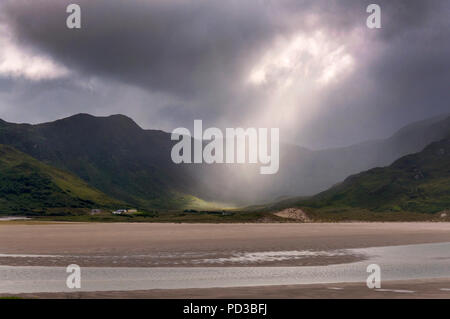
(119, 212)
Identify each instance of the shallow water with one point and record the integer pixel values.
(396, 262)
(8, 218)
(186, 259)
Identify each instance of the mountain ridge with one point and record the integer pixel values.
(115, 155)
(418, 183)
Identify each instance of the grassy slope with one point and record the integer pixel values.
(112, 154)
(28, 185)
(413, 186)
(172, 217)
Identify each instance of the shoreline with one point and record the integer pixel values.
(36, 221)
(404, 289)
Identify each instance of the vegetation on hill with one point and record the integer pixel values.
(84, 162)
(417, 183)
(28, 186)
(112, 154)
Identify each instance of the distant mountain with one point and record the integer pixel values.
(27, 185)
(336, 164)
(414, 183)
(306, 172)
(114, 155)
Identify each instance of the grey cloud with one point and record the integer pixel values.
(179, 47)
(191, 55)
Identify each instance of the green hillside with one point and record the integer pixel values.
(30, 186)
(117, 157)
(112, 154)
(415, 183)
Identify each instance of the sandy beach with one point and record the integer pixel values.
(147, 245)
(179, 241)
(143, 246)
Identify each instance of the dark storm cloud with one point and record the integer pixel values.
(194, 54)
(179, 46)
(407, 80)
(182, 47)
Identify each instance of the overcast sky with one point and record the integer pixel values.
(312, 68)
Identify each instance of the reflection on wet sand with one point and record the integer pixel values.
(397, 263)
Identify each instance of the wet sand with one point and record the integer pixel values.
(428, 288)
(147, 245)
(171, 245)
